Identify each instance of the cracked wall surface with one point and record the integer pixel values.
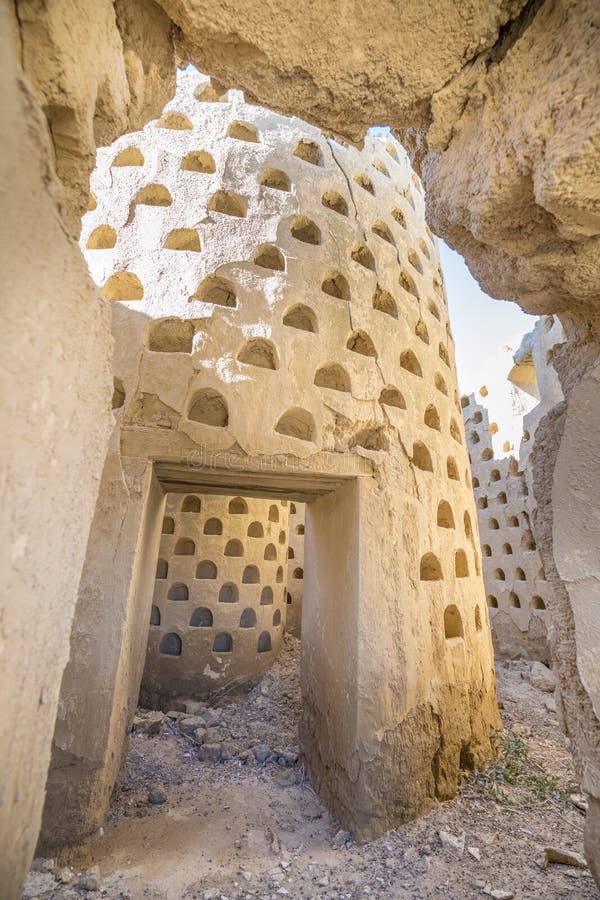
(100, 684)
(97, 69)
(233, 209)
(512, 175)
(504, 185)
(377, 66)
(70, 82)
(564, 462)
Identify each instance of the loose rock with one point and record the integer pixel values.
(563, 857)
(313, 810)
(262, 753)
(188, 724)
(212, 717)
(341, 838)
(227, 751)
(195, 707)
(580, 801)
(150, 723)
(497, 894)
(210, 753)
(90, 880)
(285, 778)
(199, 735)
(452, 842)
(64, 875)
(157, 794)
(286, 757)
(542, 677)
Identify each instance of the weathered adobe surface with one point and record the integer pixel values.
(512, 175)
(378, 66)
(565, 479)
(516, 585)
(97, 69)
(509, 174)
(515, 582)
(524, 211)
(70, 81)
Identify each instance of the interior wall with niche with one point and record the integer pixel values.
(219, 603)
(518, 592)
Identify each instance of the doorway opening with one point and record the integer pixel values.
(229, 569)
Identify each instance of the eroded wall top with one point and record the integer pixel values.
(373, 66)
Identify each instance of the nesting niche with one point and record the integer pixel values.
(512, 569)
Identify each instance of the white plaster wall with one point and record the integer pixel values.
(171, 278)
(160, 387)
(546, 335)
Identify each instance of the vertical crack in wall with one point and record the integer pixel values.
(21, 35)
(384, 412)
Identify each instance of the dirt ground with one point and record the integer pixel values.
(240, 828)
